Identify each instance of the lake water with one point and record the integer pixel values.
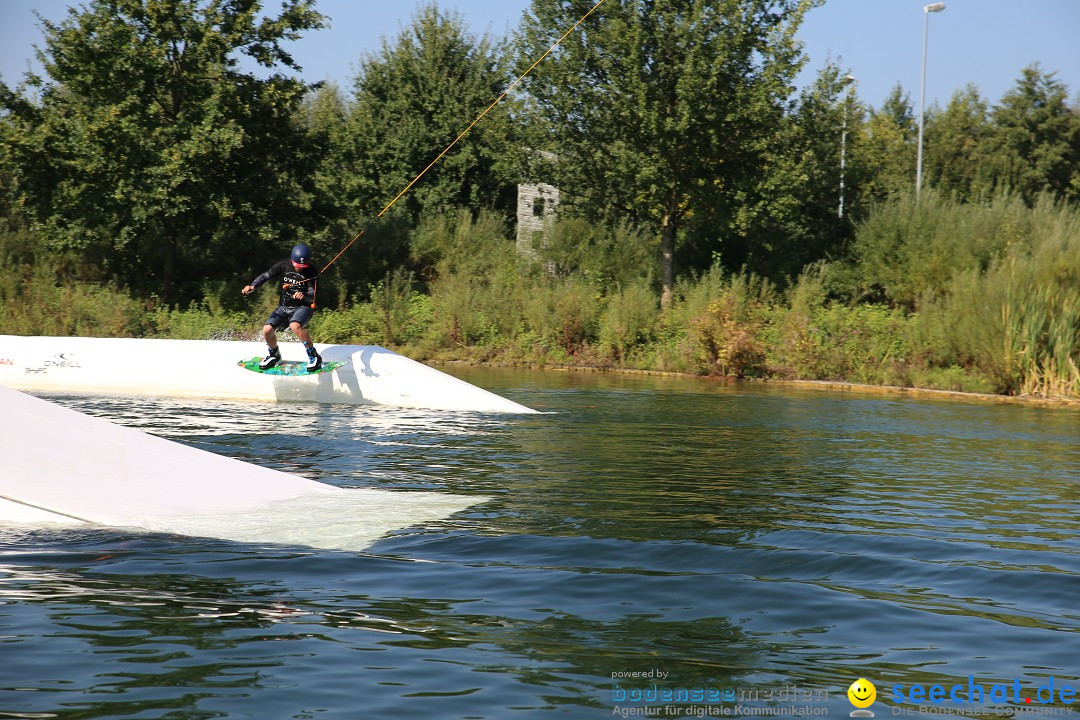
(646, 547)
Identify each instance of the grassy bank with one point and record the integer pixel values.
(966, 297)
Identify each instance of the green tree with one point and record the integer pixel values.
(324, 115)
(799, 209)
(411, 100)
(149, 153)
(886, 146)
(661, 111)
(954, 145)
(1034, 142)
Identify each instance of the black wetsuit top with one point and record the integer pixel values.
(292, 280)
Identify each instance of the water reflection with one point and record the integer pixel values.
(137, 634)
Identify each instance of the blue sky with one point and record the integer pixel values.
(985, 42)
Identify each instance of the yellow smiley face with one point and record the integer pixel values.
(862, 693)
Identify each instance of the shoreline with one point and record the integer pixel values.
(833, 385)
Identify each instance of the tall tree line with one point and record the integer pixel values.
(147, 158)
(147, 155)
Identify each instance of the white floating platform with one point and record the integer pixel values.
(62, 467)
(208, 369)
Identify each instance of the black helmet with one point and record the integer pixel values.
(301, 255)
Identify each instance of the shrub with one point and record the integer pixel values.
(1016, 323)
(610, 255)
(628, 320)
(723, 320)
(36, 302)
(907, 248)
(563, 314)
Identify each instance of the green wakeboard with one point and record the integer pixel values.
(290, 368)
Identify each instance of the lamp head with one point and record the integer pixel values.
(934, 7)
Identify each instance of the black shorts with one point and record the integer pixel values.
(283, 316)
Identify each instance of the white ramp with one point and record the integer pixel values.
(62, 466)
(208, 369)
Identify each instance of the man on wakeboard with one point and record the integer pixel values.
(298, 280)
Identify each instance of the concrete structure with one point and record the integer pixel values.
(536, 203)
(208, 369)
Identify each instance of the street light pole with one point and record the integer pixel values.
(927, 9)
(843, 143)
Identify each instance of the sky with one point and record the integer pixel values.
(880, 42)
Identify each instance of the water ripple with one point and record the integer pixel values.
(730, 535)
